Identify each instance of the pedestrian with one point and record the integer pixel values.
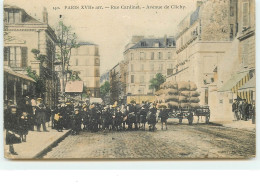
(164, 116)
(24, 125)
(77, 121)
(28, 108)
(235, 109)
(245, 110)
(11, 124)
(118, 119)
(143, 115)
(151, 117)
(85, 118)
(57, 120)
(253, 112)
(40, 116)
(48, 115)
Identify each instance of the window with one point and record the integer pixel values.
(97, 62)
(245, 48)
(152, 55)
(231, 11)
(141, 67)
(206, 96)
(96, 52)
(245, 14)
(231, 31)
(13, 16)
(132, 67)
(160, 56)
(132, 56)
(132, 79)
(97, 73)
(97, 83)
(16, 56)
(142, 79)
(151, 66)
(169, 55)
(160, 67)
(77, 62)
(142, 56)
(169, 72)
(143, 43)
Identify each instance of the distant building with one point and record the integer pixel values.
(86, 60)
(143, 59)
(22, 34)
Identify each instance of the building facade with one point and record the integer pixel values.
(143, 60)
(237, 74)
(22, 34)
(86, 60)
(202, 40)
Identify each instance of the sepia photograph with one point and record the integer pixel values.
(129, 80)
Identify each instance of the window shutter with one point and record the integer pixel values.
(6, 53)
(24, 56)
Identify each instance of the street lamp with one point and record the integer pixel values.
(89, 93)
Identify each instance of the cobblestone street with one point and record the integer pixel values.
(178, 142)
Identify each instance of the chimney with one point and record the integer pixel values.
(45, 15)
(199, 3)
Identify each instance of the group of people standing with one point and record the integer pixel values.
(24, 117)
(243, 110)
(97, 117)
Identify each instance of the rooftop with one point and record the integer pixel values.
(155, 43)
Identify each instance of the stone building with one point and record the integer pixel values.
(143, 59)
(236, 71)
(22, 34)
(85, 60)
(202, 40)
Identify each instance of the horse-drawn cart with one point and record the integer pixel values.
(185, 113)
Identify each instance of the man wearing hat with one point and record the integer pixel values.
(77, 120)
(143, 115)
(40, 115)
(235, 109)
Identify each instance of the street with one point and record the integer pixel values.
(178, 142)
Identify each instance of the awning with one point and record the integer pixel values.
(235, 82)
(16, 74)
(248, 86)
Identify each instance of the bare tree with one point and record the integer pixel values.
(66, 41)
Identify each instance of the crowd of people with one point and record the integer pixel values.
(33, 115)
(243, 110)
(96, 117)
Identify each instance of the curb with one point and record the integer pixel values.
(40, 154)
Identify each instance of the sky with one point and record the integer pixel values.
(111, 29)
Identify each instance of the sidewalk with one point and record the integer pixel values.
(244, 125)
(37, 144)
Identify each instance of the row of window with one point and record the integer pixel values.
(151, 56)
(142, 78)
(161, 67)
(86, 62)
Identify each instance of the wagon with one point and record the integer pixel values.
(189, 113)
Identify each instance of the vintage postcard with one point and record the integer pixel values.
(138, 79)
